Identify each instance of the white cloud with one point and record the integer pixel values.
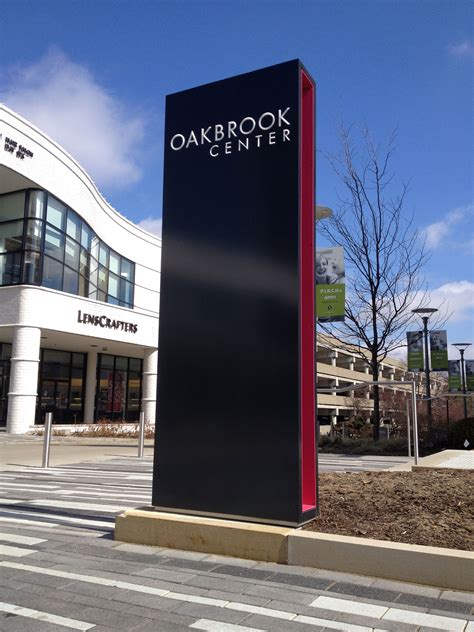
(462, 49)
(437, 233)
(152, 225)
(457, 297)
(64, 99)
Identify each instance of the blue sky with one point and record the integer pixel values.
(94, 74)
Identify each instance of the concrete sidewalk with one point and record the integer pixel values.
(17, 451)
(448, 459)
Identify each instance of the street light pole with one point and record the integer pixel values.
(425, 313)
(461, 347)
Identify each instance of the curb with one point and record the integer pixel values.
(443, 568)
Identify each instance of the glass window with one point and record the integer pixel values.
(121, 363)
(92, 290)
(107, 361)
(82, 290)
(101, 296)
(84, 262)
(52, 273)
(71, 281)
(135, 365)
(86, 236)
(103, 254)
(126, 292)
(5, 351)
(11, 236)
(35, 204)
(31, 268)
(78, 360)
(52, 355)
(112, 300)
(73, 225)
(94, 274)
(12, 206)
(56, 213)
(95, 247)
(54, 242)
(71, 254)
(126, 269)
(102, 284)
(10, 268)
(114, 262)
(34, 232)
(114, 283)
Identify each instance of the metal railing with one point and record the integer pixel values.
(387, 384)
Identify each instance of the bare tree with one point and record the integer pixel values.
(383, 252)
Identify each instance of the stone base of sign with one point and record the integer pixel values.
(207, 535)
(433, 566)
(443, 568)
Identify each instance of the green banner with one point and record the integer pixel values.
(454, 378)
(439, 350)
(330, 302)
(330, 284)
(469, 364)
(415, 350)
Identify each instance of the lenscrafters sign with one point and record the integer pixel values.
(236, 399)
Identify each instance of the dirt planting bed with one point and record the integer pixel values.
(427, 507)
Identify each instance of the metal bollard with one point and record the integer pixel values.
(415, 421)
(408, 429)
(141, 435)
(48, 420)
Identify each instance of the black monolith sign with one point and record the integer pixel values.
(236, 373)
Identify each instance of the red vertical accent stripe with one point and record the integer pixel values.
(307, 317)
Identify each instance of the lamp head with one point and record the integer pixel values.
(461, 346)
(424, 311)
(323, 212)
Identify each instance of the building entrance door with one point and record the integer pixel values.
(55, 399)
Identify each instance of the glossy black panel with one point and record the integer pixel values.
(228, 401)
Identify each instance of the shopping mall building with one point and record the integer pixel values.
(80, 295)
(79, 292)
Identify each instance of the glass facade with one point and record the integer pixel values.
(61, 385)
(5, 355)
(43, 242)
(119, 388)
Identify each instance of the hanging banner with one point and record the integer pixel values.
(330, 285)
(454, 377)
(439, 350)
(415, 350)
(469, 365)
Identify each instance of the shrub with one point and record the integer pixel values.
(459, 431)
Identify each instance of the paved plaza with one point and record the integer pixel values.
(60, 569)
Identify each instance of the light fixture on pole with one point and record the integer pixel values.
(425, 313)
(323, 212)
(461, 347)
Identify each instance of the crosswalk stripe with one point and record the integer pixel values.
(36, 523)
(15, 551)
(46, 617)
(20, 539)
(85, 521)
(62, 504)
(218, 626)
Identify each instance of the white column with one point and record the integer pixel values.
(149, 385)
(367, 372)
(333, 355)
(91, 383)
(23, 379)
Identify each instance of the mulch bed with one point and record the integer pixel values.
(427, 507)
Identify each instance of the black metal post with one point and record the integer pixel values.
(427, 373)
(463, 381)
